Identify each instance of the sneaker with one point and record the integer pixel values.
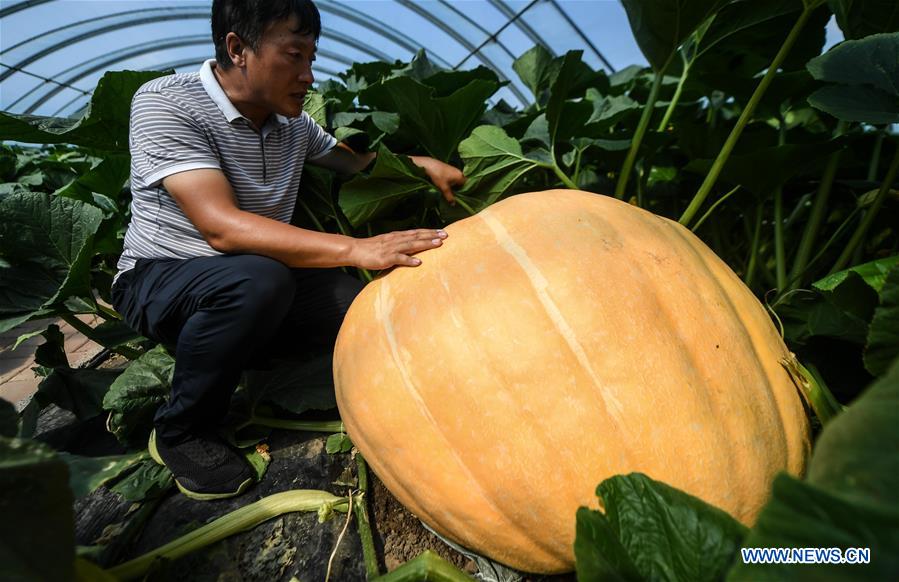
(204, 467)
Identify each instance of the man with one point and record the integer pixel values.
(211, 266)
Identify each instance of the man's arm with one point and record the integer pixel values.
(344, 160)
(207, 199)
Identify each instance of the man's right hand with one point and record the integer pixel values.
(394, 248)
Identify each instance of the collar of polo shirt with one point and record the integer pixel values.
(215, 91)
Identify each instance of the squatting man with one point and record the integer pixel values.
(211, 267)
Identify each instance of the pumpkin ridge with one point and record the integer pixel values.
(540, 285)
(692, 367)
(750, 334)
(383, 315)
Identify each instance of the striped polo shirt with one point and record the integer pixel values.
(184, 122)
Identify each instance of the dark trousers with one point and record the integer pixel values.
(219, 315)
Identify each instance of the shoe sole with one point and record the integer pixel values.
(154, 454)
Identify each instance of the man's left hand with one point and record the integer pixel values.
(442, 175)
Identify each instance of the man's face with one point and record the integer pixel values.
(280, 72)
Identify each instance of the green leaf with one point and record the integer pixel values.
(850, 498)
(598, 552)
(780, 164)
(842, 312)
(107, 178)
(147, 481)
(135, 395)
(745, 36)
(47, 241)
(80, 391)
(658, 531)
(437, 123)
(661, 26)
(52, 353)
(883, 336)
(314, 105)
(88, 473)
(564, 119)
(393, 179)
(104, 124)
(338, 443)
(536, 68)
(37, 532)
(874, 273)
(858, 104)
(867, 74)
(609, 109)
(493, 163)
(860, 18)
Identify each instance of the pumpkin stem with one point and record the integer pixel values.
(813, 389)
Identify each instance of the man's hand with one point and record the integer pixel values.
(394, 248)
(443, 176)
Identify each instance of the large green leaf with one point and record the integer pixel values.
(661, 26)
(88, 473)
(563, 118)
(37, 532)
(860, 18)
(135, 395)
(857, 104)
(46, 242)
(655, 531)
(745, 36)
(849, 500)
(883, 337)
(874, 273)
(843, 312)
(393, 179)
(104, 125)
(437, 123)
(107, 177)
(314, 105)
(80, 391)
(493, 163)
(536, 69)
(148, 480)
(865, 74)
(765, 169)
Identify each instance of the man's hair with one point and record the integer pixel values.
(248, 19)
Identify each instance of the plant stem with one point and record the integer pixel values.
(465, 205)
(754, 251)
(875, 156)
(360, 508)
(427, 566)
(621, 188)
(108, 312)
(88, 332)
(562, 175)
(307, 425)
(816, 218)
(246, 517)
(870, 215)
(677, 95)
(780, 261)
(815, 391)
(714, 206)
(735, 134)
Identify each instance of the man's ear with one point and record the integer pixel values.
(236, 49)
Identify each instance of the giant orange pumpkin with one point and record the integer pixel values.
(556, 339)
